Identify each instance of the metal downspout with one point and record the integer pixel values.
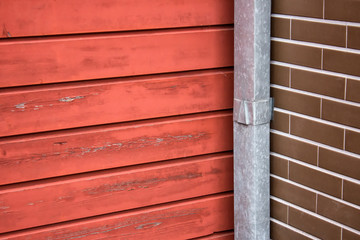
(252, 114)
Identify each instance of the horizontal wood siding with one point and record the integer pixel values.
(112, 191)
(116, 119)
(64, 59)
(229, 235)
(38, 156)
(51, 17)
(190, 217)
(58, 107)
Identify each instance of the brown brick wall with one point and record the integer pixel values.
(315, 135)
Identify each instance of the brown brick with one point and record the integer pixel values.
(353, 37)
(341, 113)
(279, 75)
(315, 179)
(296, 102)
(347, 235)
(351, 192)
(279, 166)
(280, 27)
(342, 62)
(318, 83)
(344, 10)
(296, 54)
(279, 232)
(278, 211)
(340, 163)
(316, 131)
(353, 90)
(280, 122)
(307, 8)
(338, 212)
(313, 225)
(292, 148)
(330, 34)
(293, 194)
(352, 141)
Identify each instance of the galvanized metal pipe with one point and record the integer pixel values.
(252, 114)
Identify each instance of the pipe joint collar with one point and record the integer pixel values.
(253, 112)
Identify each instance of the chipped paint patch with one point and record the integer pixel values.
(65, 198)
(143, 221)
(183, 137)
(20, 106)
(37, 107)
(26, 106)
(138, 184)
(85, 150)
(133, 144)
(33, 203)
(156, 141)
(70, 99)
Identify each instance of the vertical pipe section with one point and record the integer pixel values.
(252, 114)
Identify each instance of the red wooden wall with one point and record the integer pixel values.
(115, 119)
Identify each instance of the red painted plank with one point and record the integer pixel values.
(74, 151)
(26, 62)
(51, 201)
(44, 17)
(183, 220)
(218, 236)
(57, 107)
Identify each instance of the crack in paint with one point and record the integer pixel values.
(148, 225)
(5, 32)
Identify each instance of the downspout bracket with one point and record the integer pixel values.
(253, 112)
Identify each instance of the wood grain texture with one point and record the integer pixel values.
(191, 218)
(75, 151)
(31, 109)
(48, 17)
(64, 59)
(47, 202)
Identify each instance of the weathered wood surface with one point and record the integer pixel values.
(47, 17)
(184, 220)
(30, 109)
(49, 201)
(39, 156)
(105, 107)
(64, 59)
(218, 236)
